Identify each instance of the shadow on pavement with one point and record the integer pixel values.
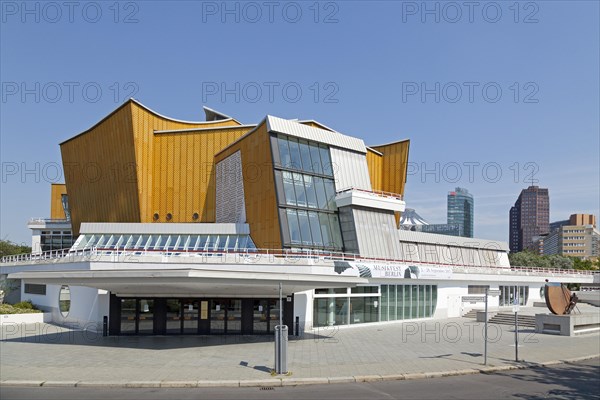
(577, 381)
(52, 334)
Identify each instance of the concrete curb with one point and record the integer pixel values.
(285, 381)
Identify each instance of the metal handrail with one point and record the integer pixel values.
(380, 193)
(48, 220)
(277, 253)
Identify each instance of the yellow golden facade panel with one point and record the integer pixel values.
(394, 166)
(259, 186)
(375, 165)
(56, 208)
(152, 171)
(100, 173)
(183, 171)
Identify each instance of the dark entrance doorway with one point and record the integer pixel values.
(196, 316)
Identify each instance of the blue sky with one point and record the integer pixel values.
(499, 90)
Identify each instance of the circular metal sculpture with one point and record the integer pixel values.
(559, 299)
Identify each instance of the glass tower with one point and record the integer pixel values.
(460, 210)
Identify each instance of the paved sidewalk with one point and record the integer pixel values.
(50, 355)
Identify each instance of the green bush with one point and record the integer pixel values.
(9, 309)
(24, 305)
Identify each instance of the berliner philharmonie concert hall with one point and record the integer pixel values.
(170, 227)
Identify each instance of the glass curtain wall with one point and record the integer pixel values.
(407, 301)
(341, 306)
(306, 193)
(508, 294)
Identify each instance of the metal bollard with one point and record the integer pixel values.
(105, 326)
(281, 344)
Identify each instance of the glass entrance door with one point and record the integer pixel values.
(174, 319)
(128, 316)
(190, 317)
(218, 310)
(234, 317)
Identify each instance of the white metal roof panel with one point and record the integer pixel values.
(165, 228)
(296, 129)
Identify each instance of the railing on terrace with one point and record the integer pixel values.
(48, 220)
(277, 254)
(379, 193)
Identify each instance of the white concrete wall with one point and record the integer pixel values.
(88, 306)
(32, 318)
(303, 308)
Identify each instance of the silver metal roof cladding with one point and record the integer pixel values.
(296, 129)
(164, 228)
(424, 237)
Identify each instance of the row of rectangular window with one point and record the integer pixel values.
(407, 301)
(303, 155)
(508, 294)
(311, 228)
(354, 290)
(301, 190)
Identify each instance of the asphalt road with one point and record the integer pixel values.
(564, 381)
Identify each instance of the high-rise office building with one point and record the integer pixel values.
(578, 237)
(529, 218)
(460, 210)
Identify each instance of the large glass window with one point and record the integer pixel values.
(307, 164)
(317, 166)
(407, 301)
(311, 195)
(288, 188)
(294, 227)
(336, 234)
(330, 193)
(300, 193)
(295, 154)
(320, 193)
(509, 293)
(304, 183)
(325, 229)
(315, 228)
(284, 152)
(326, 160)
(304, 228)
(384, 302)
(363, 310)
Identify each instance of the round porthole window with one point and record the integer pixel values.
(195, 216)
(155, 216)
(64, 300)
(169, 216)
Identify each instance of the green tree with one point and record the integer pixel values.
(8, 248)
(583, 264)
(530, 259)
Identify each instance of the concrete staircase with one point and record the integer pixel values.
(509, 319)
(471, 313)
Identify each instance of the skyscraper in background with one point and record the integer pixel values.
(460, 210)
(529, 218)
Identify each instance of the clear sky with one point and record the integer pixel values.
(489, 93)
